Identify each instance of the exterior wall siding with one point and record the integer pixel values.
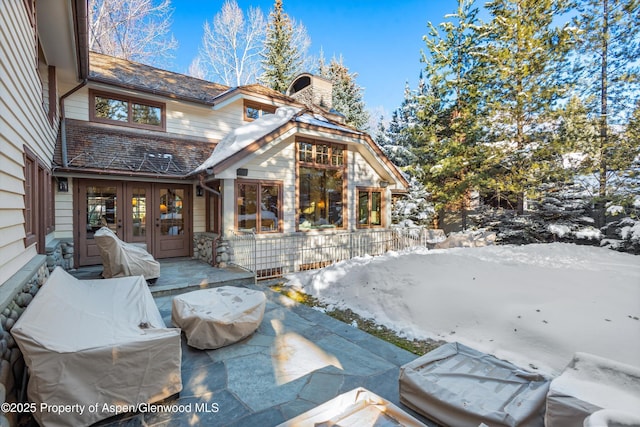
(23, 122)
(182, 118)
(199, 212)
(64, 212)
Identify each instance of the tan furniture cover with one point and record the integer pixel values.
(122, 259)
(90, 342)
(590, 384)
(213, 318)
(458, 386)
(358, 407)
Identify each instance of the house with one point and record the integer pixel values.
(165, 159)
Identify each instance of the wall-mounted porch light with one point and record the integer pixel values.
(199, 191)
(384, 184)
(63, 185)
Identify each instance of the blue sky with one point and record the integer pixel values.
(379, 40)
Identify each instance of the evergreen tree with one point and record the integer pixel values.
(525, 62)
(456, 162)
(347, 94)
(415, 209)
(608, 51)
(281, 61)
(397, 137)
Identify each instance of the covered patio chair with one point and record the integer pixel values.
(99, 347)
(121, 259)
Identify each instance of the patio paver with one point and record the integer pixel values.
(297, 359)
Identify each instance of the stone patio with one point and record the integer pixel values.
(297, 359)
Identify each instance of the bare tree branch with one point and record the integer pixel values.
(231, 46)
(137, 30)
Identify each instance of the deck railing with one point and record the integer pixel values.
(271, 256)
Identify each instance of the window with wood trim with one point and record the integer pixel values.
(30, 198)
(126, 111)
(254, 110)
(259, 206)
(53, 95)
(30, 6)
(369, 207)
(38, 201)
(321, 185)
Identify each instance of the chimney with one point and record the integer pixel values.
(311, 90)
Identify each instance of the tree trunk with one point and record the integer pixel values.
(604, 142)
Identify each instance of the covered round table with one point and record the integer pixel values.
(213, 318)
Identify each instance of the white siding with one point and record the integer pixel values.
(201, 121)
(76, 106)
(199, 212)
(23, 122)
(64, 212)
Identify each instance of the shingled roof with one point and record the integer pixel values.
(133, 75)
(114, 150)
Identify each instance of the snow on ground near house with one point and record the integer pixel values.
(534, 305)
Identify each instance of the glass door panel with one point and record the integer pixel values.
(171, 207)
(139, 213)
(102, 209)
(171, 237)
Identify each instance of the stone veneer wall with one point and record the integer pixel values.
(208, 248)
(203, 244)
(15, 295)
(60, 253)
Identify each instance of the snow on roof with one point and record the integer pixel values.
(242, 137)
(318, 120)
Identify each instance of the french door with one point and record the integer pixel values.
(155, 214)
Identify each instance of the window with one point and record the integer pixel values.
(321, 171)
(258, 206)
(30, 199)
(117, 109)
(254, 110)
(52, 95)
(369, 208)
(38, 201)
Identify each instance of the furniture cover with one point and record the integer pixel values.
(358, 407)
(213, 318)
(90, 342)
(589, 384)
(121, 259)
(458, 386)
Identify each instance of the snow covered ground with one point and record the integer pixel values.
(534, 305)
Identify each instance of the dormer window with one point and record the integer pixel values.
(124, 110)
(255, 110)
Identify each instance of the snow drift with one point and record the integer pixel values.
(534, 305)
